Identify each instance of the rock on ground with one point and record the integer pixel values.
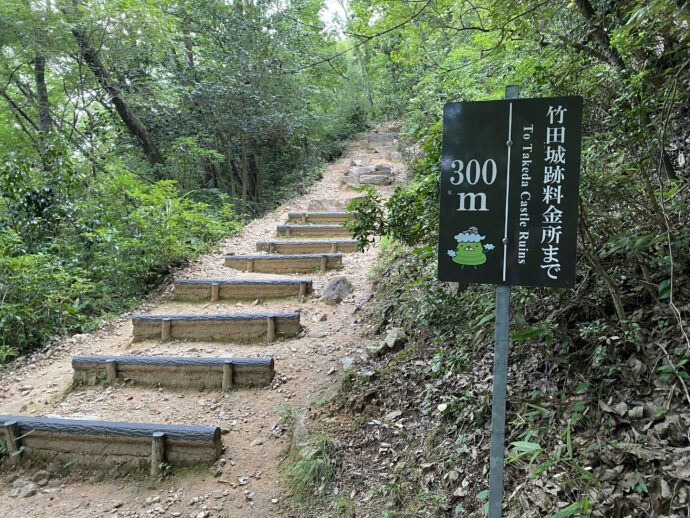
(376, 179)
(336, 290)
(360, 161)
(395, 338)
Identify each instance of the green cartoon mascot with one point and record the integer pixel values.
(470, 251)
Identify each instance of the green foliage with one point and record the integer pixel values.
(42, 298)
(70, 253)
(342, 507)
(367, 217)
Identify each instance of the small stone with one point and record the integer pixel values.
(367, 374)
(352, 181)
(360, 161)
(376, 179)
(336, 290)
(460, 492)
(274, 500)
(358, 171)
(257, 442)
(375, 349)
(392, 416)
(395, 337)
(23, 489)
(39, 475)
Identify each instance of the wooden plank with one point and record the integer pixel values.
(106, 442)
(173, 371)
(215, 327)
(307, 247)
(239, 289)
(285, 263)
(11, 438)
(318, 217)
(313, 230)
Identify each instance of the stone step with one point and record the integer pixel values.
(382, 136)
(329, 204)
(318, 217)
(240, 289)
(307, 247)
(174, 372)
(218, 327)
(313, 230)
(285, 263)
(107, 443)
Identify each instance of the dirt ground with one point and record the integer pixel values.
(246, 481)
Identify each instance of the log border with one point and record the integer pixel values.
(203, 440)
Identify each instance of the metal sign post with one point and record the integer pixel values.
(508, 216)
(500, 381)
(498, 402)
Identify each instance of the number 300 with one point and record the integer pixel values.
(474, 172)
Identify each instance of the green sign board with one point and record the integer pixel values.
(509, 191)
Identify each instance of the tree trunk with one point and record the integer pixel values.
(128, 116)
(45, 121)
(245, 178)
(255, 174)
(599, 34)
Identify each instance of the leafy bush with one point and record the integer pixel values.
(42, 297)
(120, 236)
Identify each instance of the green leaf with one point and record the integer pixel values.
(525, 446)
(572, 510)
(486, 318)
(587, 475)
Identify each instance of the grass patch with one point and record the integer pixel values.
(310, 470)
(388, 251)
(342, 507)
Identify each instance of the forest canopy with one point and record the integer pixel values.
(134, 135)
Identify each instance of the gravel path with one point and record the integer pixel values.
(245, 482)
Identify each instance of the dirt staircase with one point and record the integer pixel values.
(225, 347)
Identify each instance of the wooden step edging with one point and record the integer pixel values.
(174, 372)
(285, 263)
(216, 327)
(307, 247)
(313, 230)
(318, 217)
(107, 442)
(240, 289)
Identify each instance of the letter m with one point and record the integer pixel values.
(472, 197)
